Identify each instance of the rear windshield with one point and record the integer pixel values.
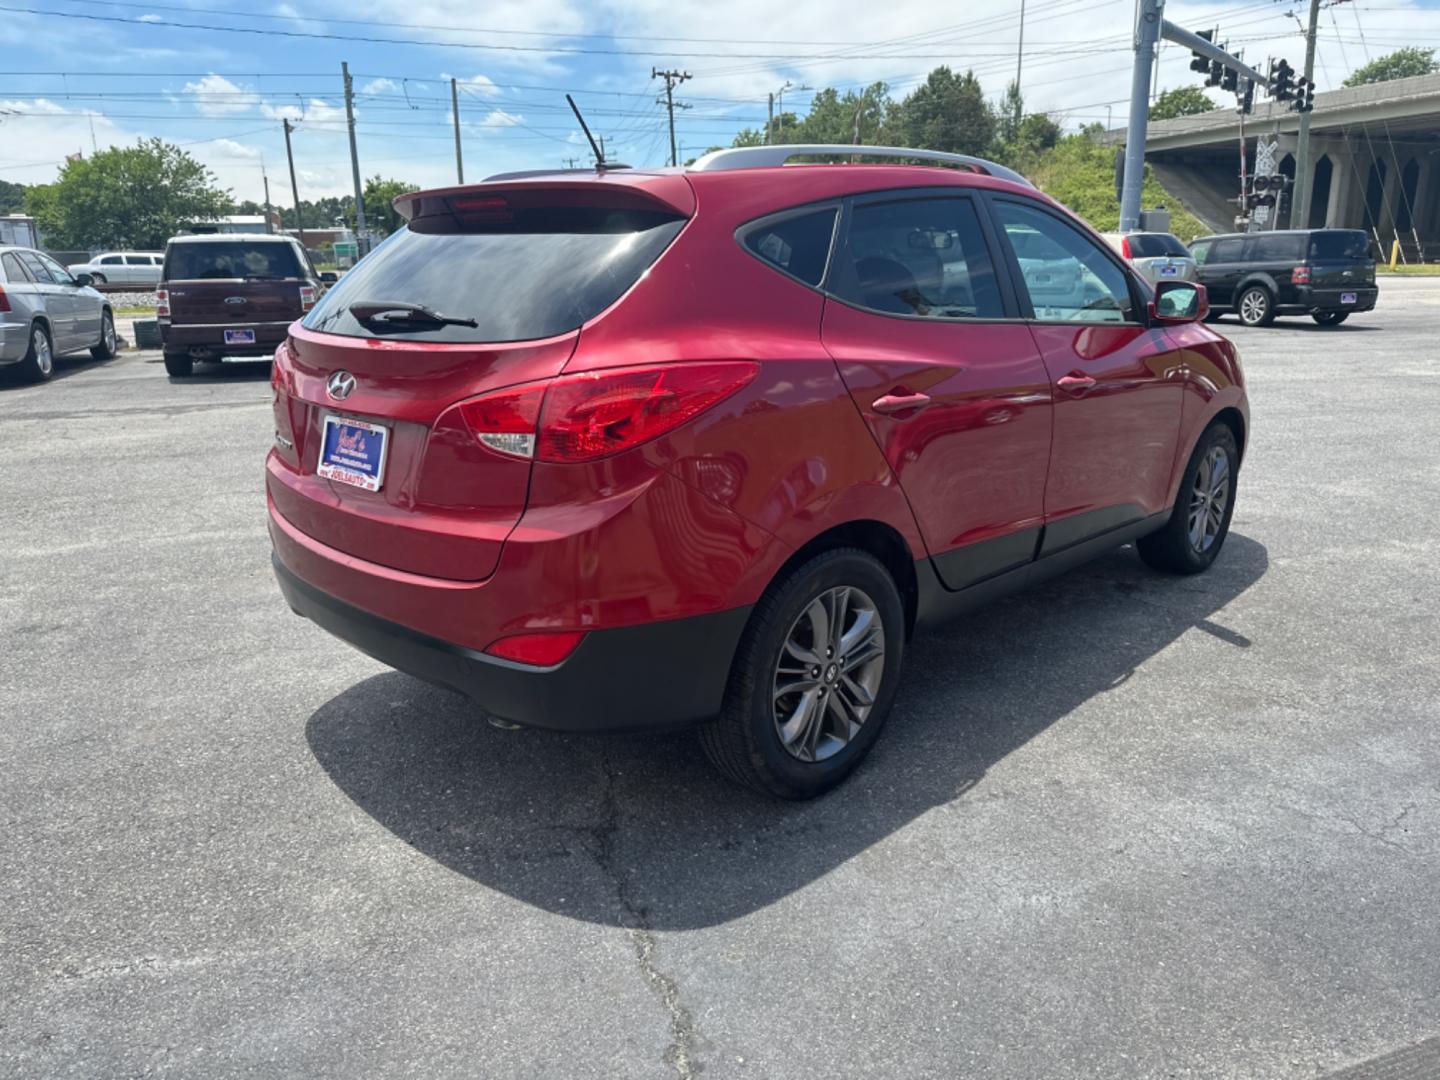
(1155, 245)
(543, 274)
(232, 259)
(1340, 244)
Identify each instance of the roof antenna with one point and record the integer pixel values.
(599, 154)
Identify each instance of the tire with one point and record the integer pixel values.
(178, 364)
(39, 362)
(1255, 306)
(98, 279)
(1330, 318)
(748, 741)
(1180, 547)
(106, 349)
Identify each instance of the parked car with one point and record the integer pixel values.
(231, 295)
(141, 268)
(659, 449)
(1324, 273)
(47, 312)
(1157, 256)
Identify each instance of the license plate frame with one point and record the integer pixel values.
(1169, 270)
(360, 466)
(239, 337)
(1348, 298)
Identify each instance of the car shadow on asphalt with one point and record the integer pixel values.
(638, 830)
(66, 367)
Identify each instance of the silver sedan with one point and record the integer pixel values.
(1157, 256)
(46, 312)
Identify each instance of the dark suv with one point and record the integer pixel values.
(1323, 273)
(231, 295)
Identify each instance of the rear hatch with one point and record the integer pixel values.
(1160, 256)
(242, 281)
(527, 265)
(1339, 258)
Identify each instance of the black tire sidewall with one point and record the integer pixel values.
(103, 351)
(1221, 434)
(788, 776)
(31, 363)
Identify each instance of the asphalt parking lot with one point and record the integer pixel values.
(1121, 826)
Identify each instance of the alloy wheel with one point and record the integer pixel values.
(1209, 497)
(1253, 307)
(41, 344)
(109, 335)
(828, 673)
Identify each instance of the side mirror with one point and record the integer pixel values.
(1179, 302)
(329, 277)
(83, 280)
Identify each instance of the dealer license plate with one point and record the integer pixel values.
(353, 452)
(239, 337)
(1347, 298)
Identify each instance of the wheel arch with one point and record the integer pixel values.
(875, 537)
(1257, 278)
(1231, 417)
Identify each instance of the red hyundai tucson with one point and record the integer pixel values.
(703, 447)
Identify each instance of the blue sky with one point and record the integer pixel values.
(104, 72)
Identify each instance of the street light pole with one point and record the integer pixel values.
(1147, 33)
(1300, 213)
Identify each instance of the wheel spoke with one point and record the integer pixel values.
(840, 611)
(856, 694)
(818, 615)
(866, 622)
(806, 657)
(795, 686)
(795, 731)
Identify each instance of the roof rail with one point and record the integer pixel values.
(530, 173)
(760, 157)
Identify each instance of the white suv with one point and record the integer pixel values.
(123, 268)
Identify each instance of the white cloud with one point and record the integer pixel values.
(479, 85)
(150, 18)
(380, 86)
(215, 95)
(229, 148)
(499, 118)
(32, 106)
(314, 111)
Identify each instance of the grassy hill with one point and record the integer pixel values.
(1080, 172)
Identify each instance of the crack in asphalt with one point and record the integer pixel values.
(680, 1054)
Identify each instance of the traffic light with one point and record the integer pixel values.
(1304, 96)
(1247, 96)
(1281, 88)
(1199, 61)
(1217, 72)
(1230, 80)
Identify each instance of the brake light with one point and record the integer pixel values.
(1300, 275)
(307, 297)
(594, 415)
(1125, 247)
(162, 303)
(542, 650)
(482, 209)
(4, 300)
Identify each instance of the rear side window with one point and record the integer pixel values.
(137, 260)
(220, 259)
(919, 257)
(542, 274)
(1201, 250)
(14, 273)
(38, 270)
(1279, 248)
(1227, 251)
(1157, 245)
(1339, 244)
(798, 245)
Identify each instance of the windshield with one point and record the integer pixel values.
(1156, 245)
(1340, 244)
(231, 259)
(543, 274)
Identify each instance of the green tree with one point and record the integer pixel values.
(126, 197)
(947, 112)
(1400, 64)
(379, 196)
(12, 197)
(836, 117)
(1180, 101)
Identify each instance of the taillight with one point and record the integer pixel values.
(597, 414)
(542, 650)
(1125, 247)
(162, 303)
(307, 297)
(4, 300)
(1300, 275)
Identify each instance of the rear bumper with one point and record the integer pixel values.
(656, 675)
(211, 336)
(14, 342)
(1308, 299)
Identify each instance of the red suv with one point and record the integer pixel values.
(623, 449)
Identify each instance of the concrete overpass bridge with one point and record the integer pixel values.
(1374, 160)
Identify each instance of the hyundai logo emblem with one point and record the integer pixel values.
(340, 385)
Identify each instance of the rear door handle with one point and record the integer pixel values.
(896, 403)
(1075, 384)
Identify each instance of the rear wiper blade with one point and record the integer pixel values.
(394, 312)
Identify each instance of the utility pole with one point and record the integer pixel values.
(266, 178)
(1147, 33)
(1300, 198)
(294, 187)
(770, 120)
(455, 111)
(672, 80)
(354, 159)
(1019, 60)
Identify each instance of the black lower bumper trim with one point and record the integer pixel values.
(655, 675)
